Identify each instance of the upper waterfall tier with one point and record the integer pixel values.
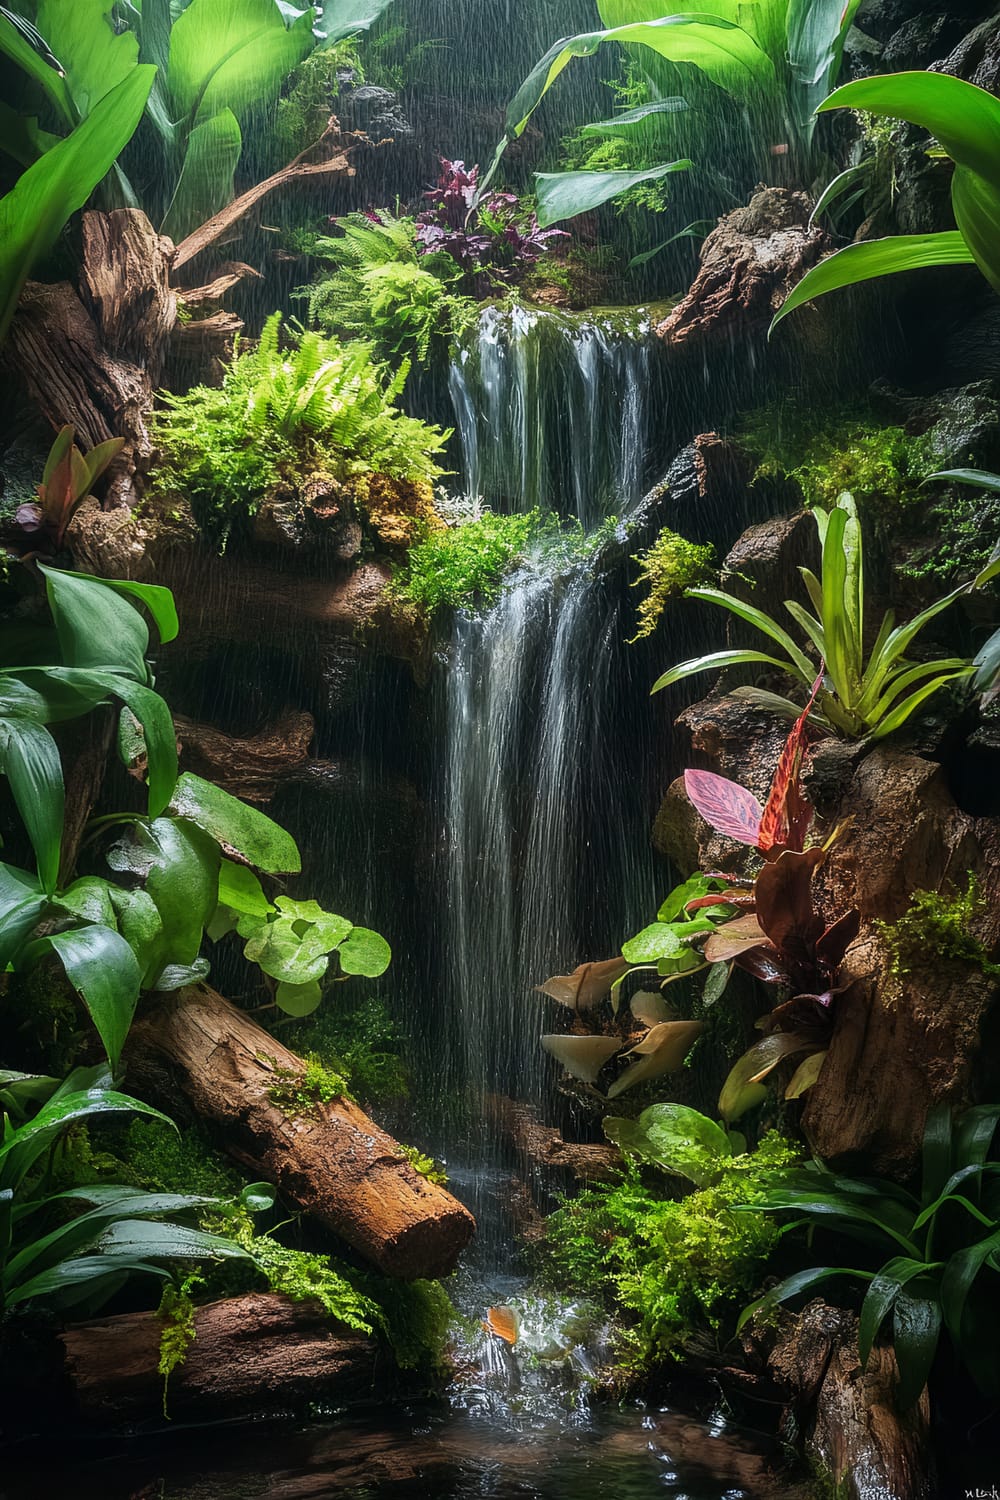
(559, 410)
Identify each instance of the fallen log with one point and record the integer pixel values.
(250, 1354)
(331, 1161)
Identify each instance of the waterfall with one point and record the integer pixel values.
(558, 410)
(546, 731)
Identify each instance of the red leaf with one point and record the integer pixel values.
(727, 806)
(837, 938)
(784, 903)
(785, 820)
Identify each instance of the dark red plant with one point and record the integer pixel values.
(67, 480)
(495, 243)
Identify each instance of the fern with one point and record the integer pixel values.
(283, 412)
(382, 287)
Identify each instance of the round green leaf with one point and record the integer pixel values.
(364, 952)
(298, 999)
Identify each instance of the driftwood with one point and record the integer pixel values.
(853, 1427)
(749, 263)
(250, 768)
(250, 1354)
(544, 1148)
(331, 1161)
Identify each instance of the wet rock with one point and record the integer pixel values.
(903, 833)
(314, 513)
(976, 58)
(749, 263)
(251, 767)
(963, 422)
(678, 829)
(827, 773)
(763, 566)
(376, 111)
(921, 39)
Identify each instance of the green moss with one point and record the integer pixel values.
(675, 1267)
(359, 1040)
(881, 466)
(671, 565)
(425, 1165)
(466, 563)
(309, 98)
(176, 1311)
(305, 1276)
(301, 1093)
(282, 413)
(938, 926)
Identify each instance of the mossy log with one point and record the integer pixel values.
(331, 1160)
(250, 1354)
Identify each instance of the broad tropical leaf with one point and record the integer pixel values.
(563, 195)
(871, 259)
(728, 807)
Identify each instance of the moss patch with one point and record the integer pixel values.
(671, 565)
(938, 927)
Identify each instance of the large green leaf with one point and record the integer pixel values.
(815, 34)
(563, 195)
(30, 760)
(958, 1276)
(104, 971)
(19, 1153)
(183, 881)
(231, 54)
(794, 1286)
(634, 122)
(232, 823)
(344, 17)
(96, 626)
(141, 925)
(205, 183)
(873, 258)
(916, 1327)
(30, 60)
(34, 212)
(157, 599)
(365, 953)
(676, 1138)
(94, 56)
(716, 661)
(882, 1293)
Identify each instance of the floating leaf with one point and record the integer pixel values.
(503, 1322)
(587, 986)
(582, 1056)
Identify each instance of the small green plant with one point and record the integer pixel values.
(320, 405)
(311, 1277)
(467, 563)
(298, 1094)
(359, 1039)
(676, 1267)
(859, 696)
(176, 1311)
(934, 1256)
(668, 568)
(308, 99)
(937, 926)
(381, 288)
(425, 1165)
(77, 1245)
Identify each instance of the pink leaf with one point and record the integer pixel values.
(726, 805)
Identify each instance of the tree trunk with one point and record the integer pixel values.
(250, 1354)
(330, 1161)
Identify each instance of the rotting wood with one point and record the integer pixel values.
(544, 1148)
(250, 1354)
(331, 1161)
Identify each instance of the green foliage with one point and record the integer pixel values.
(78, 1245)
(667, 568)
(425, 1165)
(467, 563)
(860, 696)
(381, 288)
(966, 121)
(358, 1039)
(298, 1094)
(774, 60)
(674, 1266)
(935, 1255)
(319, 405)
(937, 926)
(309, 1277)
(882, 467)
(309, 98)
(176, 1310)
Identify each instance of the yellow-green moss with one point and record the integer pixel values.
(671, 565)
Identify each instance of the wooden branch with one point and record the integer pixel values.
(332, 1161)
(250, 1354)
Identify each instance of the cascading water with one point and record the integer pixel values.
(544, 823)
(557, 410)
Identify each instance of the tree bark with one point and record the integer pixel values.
(249, 767)
(250, 1354)
(331, 1161)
